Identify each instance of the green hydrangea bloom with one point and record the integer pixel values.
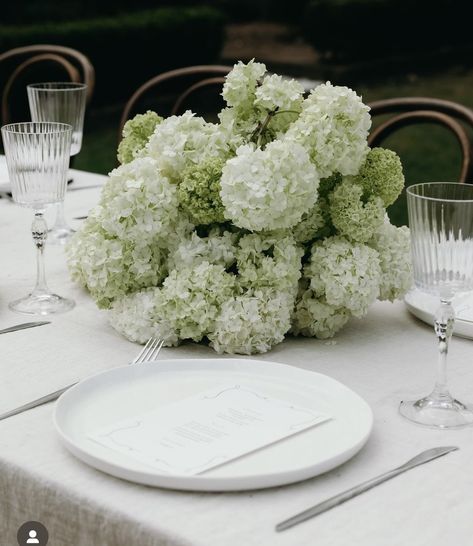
(353, 218)
(136, 133)
(381, 175)
(199, 192)
(328, 184)
(314, 224)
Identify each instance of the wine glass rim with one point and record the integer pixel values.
(14, 128)
(410, 191)
(50, 86)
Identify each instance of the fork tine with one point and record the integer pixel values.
(155, 351)
(145, 357)
(145, 348)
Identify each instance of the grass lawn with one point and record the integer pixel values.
(428, 152)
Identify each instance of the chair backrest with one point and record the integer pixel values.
(34, 63)
(413, 110)
(183, 82)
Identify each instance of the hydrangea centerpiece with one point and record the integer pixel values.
(272, 221)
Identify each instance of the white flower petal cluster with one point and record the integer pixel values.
(138, 317)
(218, 248)
(272, 220)
(253, 322)
(393, 246)
(191, 299)
(239, 89)
(269, 262)
(314, 317)
(268, 189)
(138, 202)
(333, 127)
(346, 274)
(110, 268)
(182, 141)
(284, 96)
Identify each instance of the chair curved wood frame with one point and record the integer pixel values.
(73, 56)
(192, 89)
(204, 70)
(411, 110)
(71, 71)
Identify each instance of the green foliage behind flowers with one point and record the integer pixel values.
(272, 220)
(136, 133)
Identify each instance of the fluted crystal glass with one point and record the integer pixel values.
(62, 102)
(37, 156)
(441, 225)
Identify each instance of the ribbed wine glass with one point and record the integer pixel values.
(441, 224)
(62, 102)
(37, 157)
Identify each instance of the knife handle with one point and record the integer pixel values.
(38, 402)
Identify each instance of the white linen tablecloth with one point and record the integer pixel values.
(385, 357)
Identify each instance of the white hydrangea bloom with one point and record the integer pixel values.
(191, 299)
(277, 93)
(314, 317)
(138, 202)
(240, 84)
(269, 262)
(393, 246)
(181, 141)
(346, 274)
(217, 248)
(253, 322)
(270, 188)
(333, 127)
(110, 268)
(137, 317)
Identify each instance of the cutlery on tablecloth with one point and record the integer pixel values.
(323, 506)
(23, 326)
(80, 217)
(147, 354)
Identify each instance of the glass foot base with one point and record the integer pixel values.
(60, 236)
(42, 304)
(437, 413)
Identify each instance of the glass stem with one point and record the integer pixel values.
(444, 321)
(39, 229)
(60, 217)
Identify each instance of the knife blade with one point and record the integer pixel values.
(421, 458)
(23, 326)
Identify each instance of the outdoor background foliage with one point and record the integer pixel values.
(381, 48)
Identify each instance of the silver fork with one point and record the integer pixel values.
(150, 351)
(147, 354)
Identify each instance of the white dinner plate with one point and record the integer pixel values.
(423, 306)
(121, 393)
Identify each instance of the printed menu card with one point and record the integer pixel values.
(208, 429)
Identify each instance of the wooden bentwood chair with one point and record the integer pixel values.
(181, 84)
(413, 110)
(30, 64)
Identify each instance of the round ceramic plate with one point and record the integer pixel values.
(121, 393)
(423, 306)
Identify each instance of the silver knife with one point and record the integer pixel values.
(38, 402)
(23, 326)
(422, 458)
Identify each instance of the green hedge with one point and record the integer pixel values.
(128, 49)
(364, 29)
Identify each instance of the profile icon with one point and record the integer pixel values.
(31, 533)
(32, 540)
